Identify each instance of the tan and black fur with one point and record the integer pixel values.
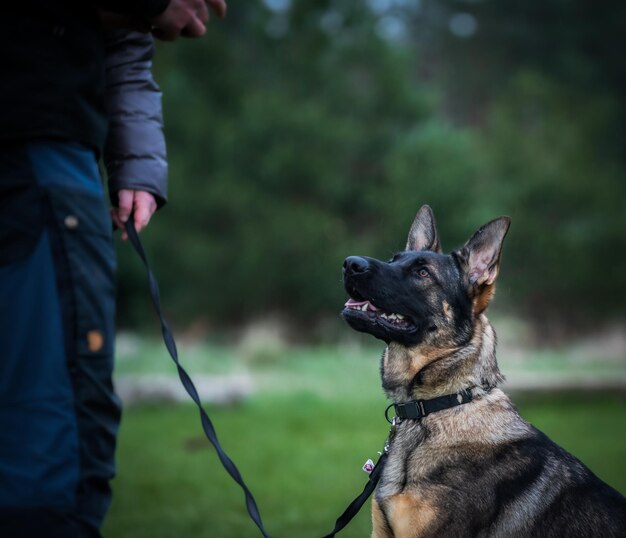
(478, 469)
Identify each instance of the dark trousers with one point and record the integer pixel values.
(59, 415)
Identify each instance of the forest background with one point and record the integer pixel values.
(300, 132)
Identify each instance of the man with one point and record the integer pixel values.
(62, 77)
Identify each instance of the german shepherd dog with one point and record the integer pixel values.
(476, 469)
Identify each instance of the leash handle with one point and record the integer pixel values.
(170, 344)
(357, 504)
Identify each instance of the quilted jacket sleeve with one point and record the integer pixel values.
(134, 152)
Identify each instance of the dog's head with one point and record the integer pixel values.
(422, 296)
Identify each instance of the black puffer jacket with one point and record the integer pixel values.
(55, 59)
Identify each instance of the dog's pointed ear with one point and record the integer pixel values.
(482, 258)
(423, 233)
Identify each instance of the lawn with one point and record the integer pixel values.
(299, 442)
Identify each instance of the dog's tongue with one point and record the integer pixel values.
(357, 304)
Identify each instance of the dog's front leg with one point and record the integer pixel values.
(406, 515)
(380, 526)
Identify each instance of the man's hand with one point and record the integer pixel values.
(141, 202)
(186, 18)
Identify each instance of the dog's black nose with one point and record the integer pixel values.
(355, 265)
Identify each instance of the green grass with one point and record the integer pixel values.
(299, 442)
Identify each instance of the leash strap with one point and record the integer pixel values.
(207, 425)
(356, 504)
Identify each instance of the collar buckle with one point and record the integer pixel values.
(391, 420)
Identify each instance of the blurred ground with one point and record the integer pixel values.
(262, 360)
(311, 418)
(301, 455)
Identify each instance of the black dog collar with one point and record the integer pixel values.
(416, 409)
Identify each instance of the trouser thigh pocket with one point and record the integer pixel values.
(83, 236)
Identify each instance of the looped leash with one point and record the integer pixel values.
(207, 425)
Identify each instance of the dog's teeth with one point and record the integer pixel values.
(364, 307)
(399, 316)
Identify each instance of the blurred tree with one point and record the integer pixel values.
(566, 191)
(541, 84)
(278, 124)
(300, 132)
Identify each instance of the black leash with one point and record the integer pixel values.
(415, 409)
(356, 504)
(207, 425)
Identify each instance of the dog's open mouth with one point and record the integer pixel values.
(368, 310)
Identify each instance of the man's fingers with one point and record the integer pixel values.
(202, 12)
(141, 203)
(145, 206)
(186, 18)
(118, 223)
(195, 28)
(142, 217)
(218, 7)
(125, 204)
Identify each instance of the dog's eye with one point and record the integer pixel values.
(422, 272)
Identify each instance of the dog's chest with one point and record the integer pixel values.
(402, 501)
(409, 450)
(419, 450)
